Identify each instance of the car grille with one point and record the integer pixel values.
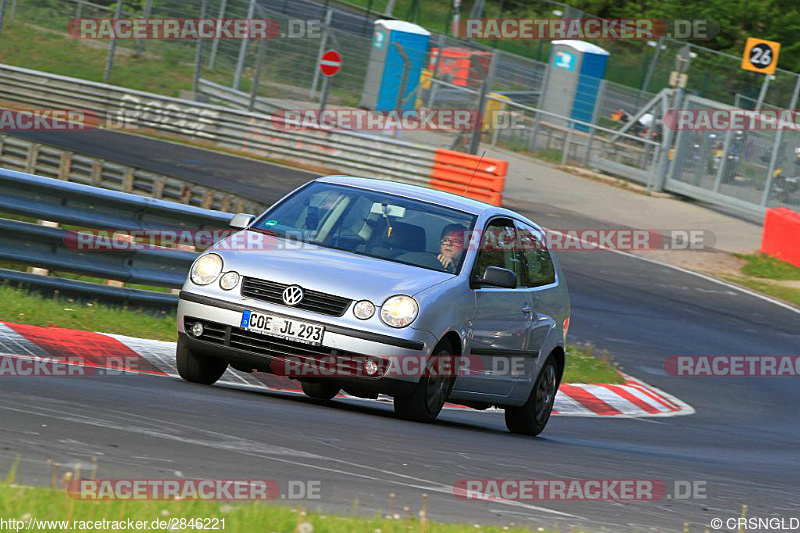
(317, 302)
(347, 363)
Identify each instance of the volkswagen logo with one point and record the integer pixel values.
(292, 295)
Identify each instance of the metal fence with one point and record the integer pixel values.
(252, 133)
(288, 79)
(86, 207)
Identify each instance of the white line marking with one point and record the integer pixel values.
(685, 271)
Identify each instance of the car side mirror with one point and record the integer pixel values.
(241, 220)
(498, 277)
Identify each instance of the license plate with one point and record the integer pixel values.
(284, 328)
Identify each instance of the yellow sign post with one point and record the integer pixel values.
(761, 56)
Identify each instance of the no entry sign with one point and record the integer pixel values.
(330, 63)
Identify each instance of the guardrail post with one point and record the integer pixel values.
(127, 181)
(38, 270)
(97, 172)
(208, 199)
(567, 143)
(64, 165)
(158, 188)
(186, 194)
(33, 156)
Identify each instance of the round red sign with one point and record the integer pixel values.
(330, 63)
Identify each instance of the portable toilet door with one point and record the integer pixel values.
(386, 64)
(577, 70)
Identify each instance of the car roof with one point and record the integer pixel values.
(417, 192)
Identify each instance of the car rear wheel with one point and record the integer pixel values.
(320, 391)
(198, 368)
(430, 394)
(531, 418)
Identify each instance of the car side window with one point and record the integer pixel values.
(539, 267)
(499, 247)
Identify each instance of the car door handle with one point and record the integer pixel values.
(526, 309)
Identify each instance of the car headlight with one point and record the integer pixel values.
(399, 311)
(229, 280)
(364, 309)
(206, 269)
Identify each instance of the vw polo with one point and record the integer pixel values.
(370, 271)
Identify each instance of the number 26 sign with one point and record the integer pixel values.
(761, 56)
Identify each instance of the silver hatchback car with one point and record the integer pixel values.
(371, 275)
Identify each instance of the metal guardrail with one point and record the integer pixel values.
(262, 135)
(43, 160)
(94, 208)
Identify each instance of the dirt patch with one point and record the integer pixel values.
(712, 262)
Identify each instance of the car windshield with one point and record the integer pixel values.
(374, 224)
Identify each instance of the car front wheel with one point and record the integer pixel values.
(430, 394)
(198, 368)
(531, 418)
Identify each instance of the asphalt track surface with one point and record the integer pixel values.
(742, 442)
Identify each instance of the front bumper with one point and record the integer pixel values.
(226, 340)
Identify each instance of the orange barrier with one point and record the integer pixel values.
(469, 175)
(781, 236)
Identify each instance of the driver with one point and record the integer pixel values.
(452, 246)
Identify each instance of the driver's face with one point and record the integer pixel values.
(453, 244)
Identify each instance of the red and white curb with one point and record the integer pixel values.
(632, 399)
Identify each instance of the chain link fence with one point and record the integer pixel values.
(755, 169)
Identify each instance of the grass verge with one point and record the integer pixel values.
(585, 364)
(52, 51)
(26, 308)
(24, 504)
(764, 266)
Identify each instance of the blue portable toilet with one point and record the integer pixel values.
(385, 68)
(577, 69)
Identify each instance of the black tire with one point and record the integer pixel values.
(320, 391)
(198, 368)
(425, 402)
(531, 418)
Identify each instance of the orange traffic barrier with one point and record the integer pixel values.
(781, 236)
(469, 175)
